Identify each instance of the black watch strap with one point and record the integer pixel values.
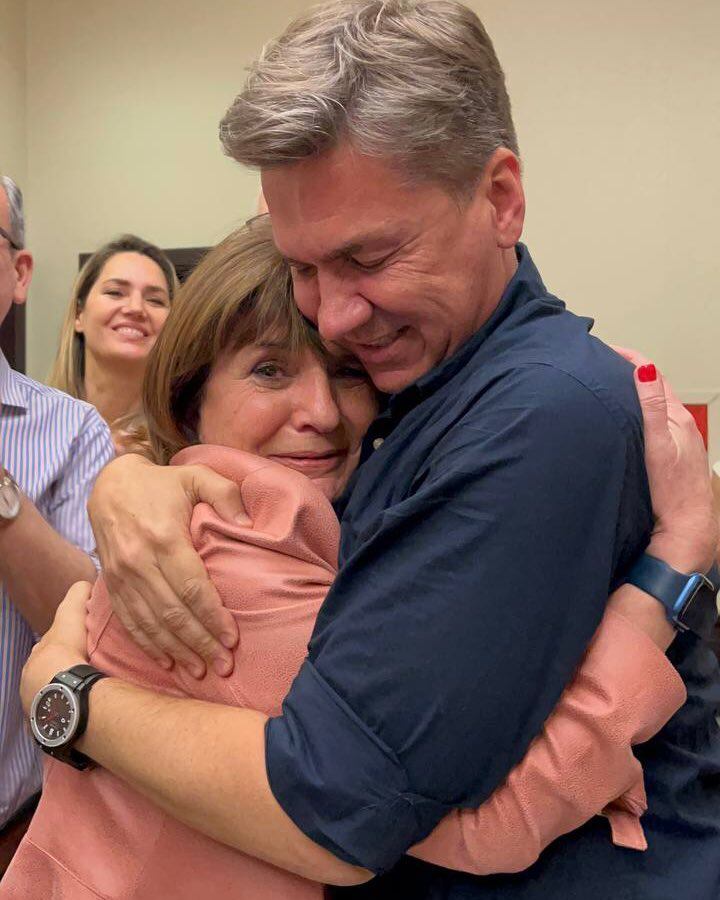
(71, 756)
(79, 679)
(690, 601)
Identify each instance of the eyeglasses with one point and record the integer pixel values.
(10, 241)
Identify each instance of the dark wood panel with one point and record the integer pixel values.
(12, 337)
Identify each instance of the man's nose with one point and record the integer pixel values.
(341, 309)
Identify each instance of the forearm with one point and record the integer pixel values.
(204, 764)
(38, 566)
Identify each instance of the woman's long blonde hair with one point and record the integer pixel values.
(68, 372)
(240, 292)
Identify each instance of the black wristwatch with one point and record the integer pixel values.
(690, 601)
(59, 714)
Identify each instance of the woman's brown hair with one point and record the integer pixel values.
(241, 291)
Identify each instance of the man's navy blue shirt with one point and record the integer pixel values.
(500, 500)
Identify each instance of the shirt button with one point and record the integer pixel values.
(377, 443)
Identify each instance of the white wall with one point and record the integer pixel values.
(124, 101)
(618, 111)
(13, 150)
(616, 105)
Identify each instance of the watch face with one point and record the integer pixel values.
(9, 499)
(54, 715)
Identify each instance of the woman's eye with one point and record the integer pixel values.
(157, 301)
(268, 370)
(112, 293)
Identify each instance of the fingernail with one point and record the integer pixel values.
(197, 671)
(166, 663)
(222, 666)
(647, 373)
(228, 640)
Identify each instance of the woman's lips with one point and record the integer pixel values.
(310, 464)
(130, 332)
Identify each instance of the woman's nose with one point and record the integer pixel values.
(316, 406)
(135, 303)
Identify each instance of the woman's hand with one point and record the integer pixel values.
(686, 529)
(63, 645)
(158, 586)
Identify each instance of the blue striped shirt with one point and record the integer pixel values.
(54, 447)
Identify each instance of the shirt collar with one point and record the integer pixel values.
(526, 284)
(12, 390)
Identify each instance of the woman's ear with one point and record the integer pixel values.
(23, 263)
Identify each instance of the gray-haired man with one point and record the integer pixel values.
(502, 494)
(51, 449)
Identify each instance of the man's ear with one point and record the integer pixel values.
(24, 270)
(504, 190)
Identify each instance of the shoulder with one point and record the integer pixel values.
(76, 415)
(540, 420)
(553, 365)
(546, 397)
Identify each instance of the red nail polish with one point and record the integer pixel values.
(647, 373)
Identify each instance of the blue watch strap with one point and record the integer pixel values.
(690, 601)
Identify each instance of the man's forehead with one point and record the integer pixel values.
(339, 185)
(324, 229)
(340, 200)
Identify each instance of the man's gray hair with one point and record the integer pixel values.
(15, 205)
(416, 82)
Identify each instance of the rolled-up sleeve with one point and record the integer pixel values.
(458, 619)
(342, 785)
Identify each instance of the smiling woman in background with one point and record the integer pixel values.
(117, 309)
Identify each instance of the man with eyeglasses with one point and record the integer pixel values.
(51, 449)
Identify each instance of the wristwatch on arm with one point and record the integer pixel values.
(9, 497)
(59, 714)
(690, 601)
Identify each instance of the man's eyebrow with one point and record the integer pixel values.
(351, 247)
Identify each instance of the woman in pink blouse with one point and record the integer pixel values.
(239, 382)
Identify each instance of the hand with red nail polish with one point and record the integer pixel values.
(686, 528)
